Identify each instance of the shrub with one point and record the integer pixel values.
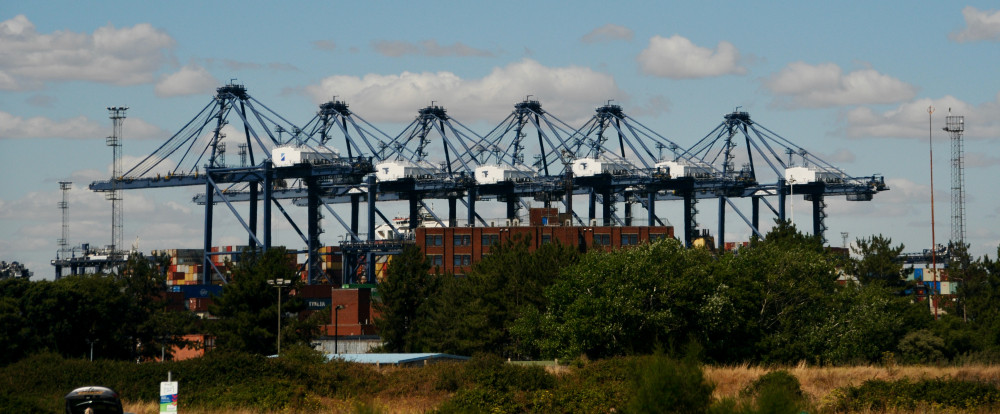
(666, 385)
(877, 395)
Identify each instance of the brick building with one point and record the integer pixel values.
(455, 249)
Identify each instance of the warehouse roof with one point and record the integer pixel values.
(396, 359)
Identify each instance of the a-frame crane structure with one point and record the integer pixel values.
(764, 153)
(195, 156)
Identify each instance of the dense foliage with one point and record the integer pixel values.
(247, 311)
(777, 300)
(118, 316)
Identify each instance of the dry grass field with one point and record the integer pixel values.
(817, 383)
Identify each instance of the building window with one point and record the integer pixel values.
(602, 240)
(629, 239)
(435, 259)
(463, 259)
(656, 236)
(463, 239)
(431, 240)
(491, 239)
(546, 238)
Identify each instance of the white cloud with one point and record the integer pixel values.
(327, 45)
(607, 33)
(813, 86)
(190, 80)
(81, 127)
(677, 58)
(427, 48)
(564, 91)
(910, 120)
(126, 56)
(979, 25)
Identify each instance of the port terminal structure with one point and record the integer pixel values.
(611, 159)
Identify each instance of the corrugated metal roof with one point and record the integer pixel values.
(393, 359)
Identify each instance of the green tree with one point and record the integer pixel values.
(247, 310)
(621, 302)
(474, 313)
(404, 308)
(877, 261)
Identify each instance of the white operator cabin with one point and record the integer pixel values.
(803, 175)
(588, 167)
(400, 169)
(676, 169)
(289, 155)
(493, 174)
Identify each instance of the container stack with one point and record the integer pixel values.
(185, 266)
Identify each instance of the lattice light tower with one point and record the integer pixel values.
(117, 115)
(64, 206)
(955, 125)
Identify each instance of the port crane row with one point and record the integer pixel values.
(611, 159)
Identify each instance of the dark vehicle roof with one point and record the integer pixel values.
(101, 399)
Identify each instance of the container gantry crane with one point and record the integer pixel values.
(195, 156)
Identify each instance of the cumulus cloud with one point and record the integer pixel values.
(81, 127)
(563, 91)
(427, 48)
(607, 33)
(190, 80)
(327, 45)
(814, 86)
(126, 56)
(676, 57)
(909, 120)
(979, 25)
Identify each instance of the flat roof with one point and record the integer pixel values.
(393, 359)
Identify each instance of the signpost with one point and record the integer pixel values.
(168, 396)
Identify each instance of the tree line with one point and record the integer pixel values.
(777, 300)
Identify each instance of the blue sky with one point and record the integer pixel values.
(850, 81)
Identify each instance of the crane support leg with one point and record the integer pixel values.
(314, 229)
(606, 207)
(371, 207)
(651, 208)
(253, 214)
(755, 214)
(472, 207)
(452, 212)
(781, 199)
(355, 211)
(819, 214)
(722, 224)
(511, 207)
(689, 224)
(268, 194)
(593, 207)
(628, 209)
(206, 268)
(414, 211)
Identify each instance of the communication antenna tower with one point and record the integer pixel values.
(955, 125)
(843, 235)
(64, 206)
(117, 115)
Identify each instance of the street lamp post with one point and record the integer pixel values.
(336, 327)
(279, 283)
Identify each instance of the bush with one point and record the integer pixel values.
(666, 385)
(878, 395)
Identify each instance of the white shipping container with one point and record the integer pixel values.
(492, 174)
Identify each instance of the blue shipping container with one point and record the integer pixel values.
(200, 291)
